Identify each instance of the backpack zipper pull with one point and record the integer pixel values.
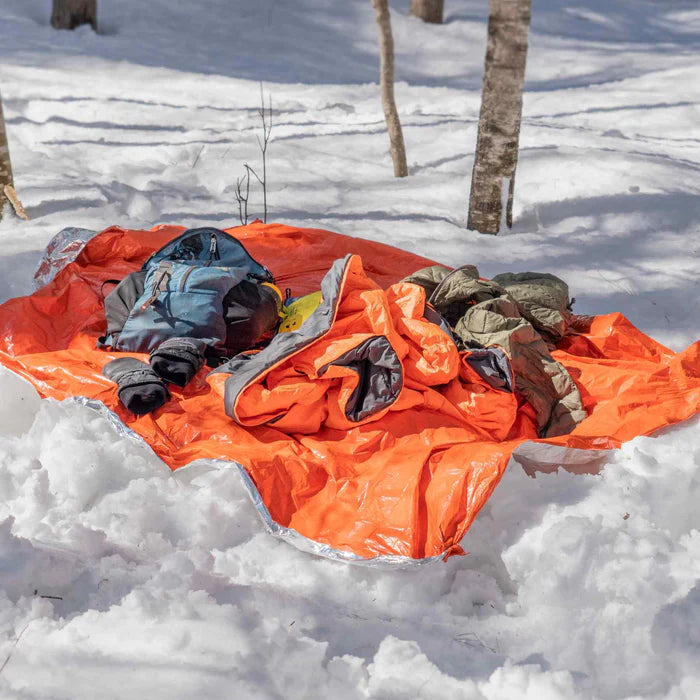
(213, 247)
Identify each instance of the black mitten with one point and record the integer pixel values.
(177, 360)
(139, 388)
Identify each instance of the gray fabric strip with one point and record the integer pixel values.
(380, 377)
(245, 369)
(493, 366)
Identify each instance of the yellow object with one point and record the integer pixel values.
(298, 311)
(277, 289)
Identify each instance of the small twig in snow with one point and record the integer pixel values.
(14, 646)
(241, 198)
(267, 129)
(472, 639)
(197, 158)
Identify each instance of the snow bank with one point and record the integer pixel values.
(116, 573)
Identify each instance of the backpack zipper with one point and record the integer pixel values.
(214, 248)
(188, 232)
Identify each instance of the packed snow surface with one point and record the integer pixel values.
(119, 579)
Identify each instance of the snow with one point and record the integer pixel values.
(120, 579)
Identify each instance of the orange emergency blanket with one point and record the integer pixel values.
(409, 481)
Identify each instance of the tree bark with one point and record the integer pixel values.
(393, 125)
(69, 14)
(428, 10)
(5, 167)
(496, 156)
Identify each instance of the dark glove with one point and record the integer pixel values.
(177, 360)
(139, 388)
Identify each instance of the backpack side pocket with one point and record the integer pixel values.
(118, 305)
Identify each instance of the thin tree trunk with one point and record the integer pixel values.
(393, 125)
(428, 10)
(69, 14)
(5, 167)
(493, 176)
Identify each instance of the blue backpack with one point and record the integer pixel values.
(181, 291)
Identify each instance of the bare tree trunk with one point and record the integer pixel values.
(5, 167)
(493, 176)
(393, 125)
(428, 10)
(69, 14)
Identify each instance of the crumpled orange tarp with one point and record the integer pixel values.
(408, 482)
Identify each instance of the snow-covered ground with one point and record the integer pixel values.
(119, 579)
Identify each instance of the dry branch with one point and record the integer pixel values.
(11, 195)
(241, 198)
